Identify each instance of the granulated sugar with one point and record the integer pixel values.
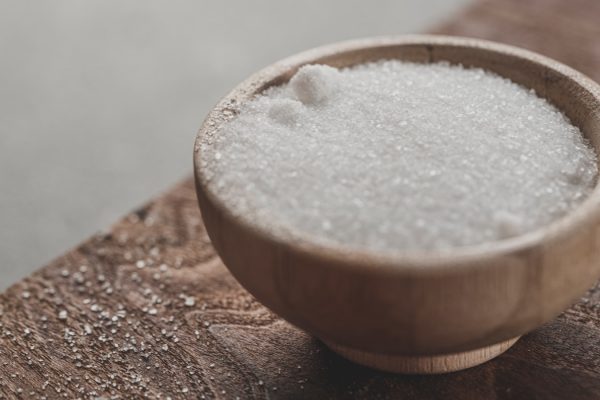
(393, 156)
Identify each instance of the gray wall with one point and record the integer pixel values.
(100, 99)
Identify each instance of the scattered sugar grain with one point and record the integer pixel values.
(392, 156)
(189, 301)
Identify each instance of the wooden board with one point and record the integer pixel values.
(146, 310)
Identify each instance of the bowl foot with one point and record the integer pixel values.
(430, 364)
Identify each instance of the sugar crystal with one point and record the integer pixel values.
(390, 156)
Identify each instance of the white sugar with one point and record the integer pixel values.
(392, 156)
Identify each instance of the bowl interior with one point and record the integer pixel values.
(571, 92)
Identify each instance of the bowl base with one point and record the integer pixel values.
(430, 364)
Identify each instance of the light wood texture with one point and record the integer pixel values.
(255, 354)
(416, 304)
(424, 364)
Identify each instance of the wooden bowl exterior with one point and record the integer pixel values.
(417, 303)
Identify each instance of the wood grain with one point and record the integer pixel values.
(225, 345)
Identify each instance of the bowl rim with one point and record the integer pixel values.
(413, 261)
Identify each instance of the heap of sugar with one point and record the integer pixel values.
(393, 156)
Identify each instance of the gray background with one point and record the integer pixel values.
(100, 99)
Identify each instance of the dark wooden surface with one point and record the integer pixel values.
(147, 310)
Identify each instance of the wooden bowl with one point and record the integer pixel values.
(417, 312)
